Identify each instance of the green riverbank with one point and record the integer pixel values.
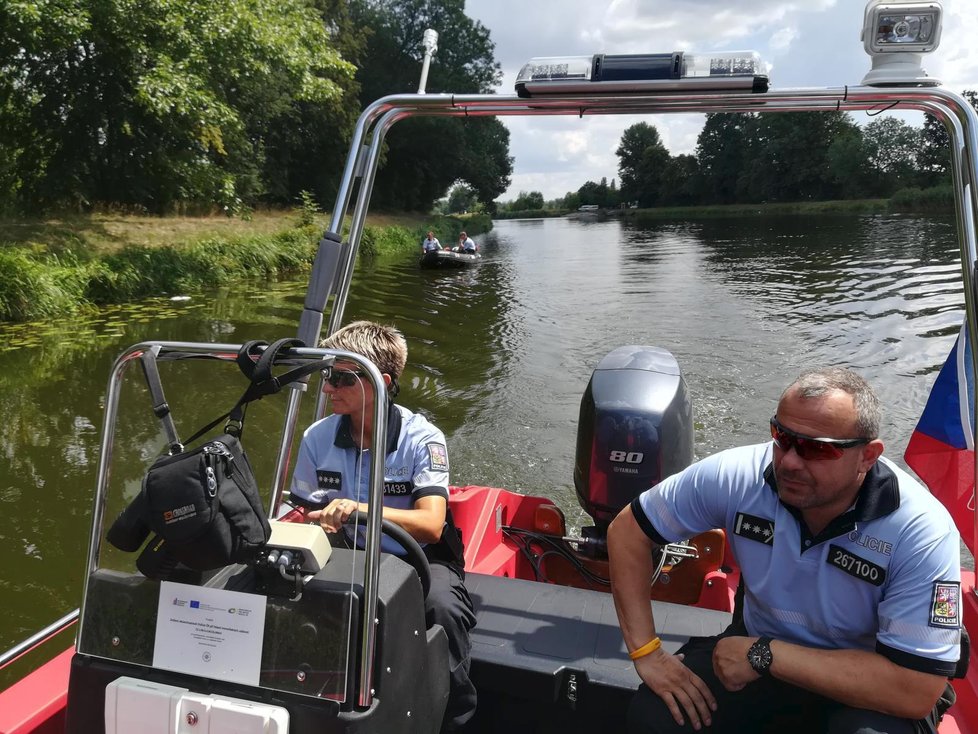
(55, 268)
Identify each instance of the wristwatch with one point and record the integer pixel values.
(759, 656)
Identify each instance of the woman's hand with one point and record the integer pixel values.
(333, 515)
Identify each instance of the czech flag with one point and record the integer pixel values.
(942, 447)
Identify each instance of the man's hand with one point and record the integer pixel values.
(730, 662)
(333, 515)
(678, 686)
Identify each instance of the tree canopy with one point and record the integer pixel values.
(166, 105)
(426, 155)
(157, 101)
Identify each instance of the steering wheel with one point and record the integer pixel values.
(415, 555)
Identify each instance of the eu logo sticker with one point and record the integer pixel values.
(438, 456)
(945, 608)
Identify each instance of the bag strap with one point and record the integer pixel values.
(263, 382)
(259, 373)
(160, 407)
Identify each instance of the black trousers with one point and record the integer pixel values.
(449, 605)
(767, 705)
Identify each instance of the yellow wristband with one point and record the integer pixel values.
(648, 648)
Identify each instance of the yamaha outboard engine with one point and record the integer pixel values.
(635, 429)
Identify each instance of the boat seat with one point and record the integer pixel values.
(560, 645)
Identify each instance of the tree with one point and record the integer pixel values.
(935, 152)
(787, 156)
(850, 168)
(308, 143)
(641, 160)
(721, 151)
(528, 201)
(679, 180)
(460, 199)
(426, 155)
(156, 102)
(891, 147)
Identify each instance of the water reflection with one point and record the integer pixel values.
(499, 355)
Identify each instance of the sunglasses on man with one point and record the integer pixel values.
(809, 448)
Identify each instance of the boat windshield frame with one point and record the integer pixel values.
(169, 351)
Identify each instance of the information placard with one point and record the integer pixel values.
(210, 632)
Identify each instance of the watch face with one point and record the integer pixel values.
(759, 656)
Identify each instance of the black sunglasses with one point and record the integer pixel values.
(809, 448)
(342, 378)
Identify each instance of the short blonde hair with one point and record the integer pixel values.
(381, 344)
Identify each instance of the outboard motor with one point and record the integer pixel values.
(635, 429)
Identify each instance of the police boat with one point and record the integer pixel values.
(302, 637)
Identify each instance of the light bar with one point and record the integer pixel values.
(607, 74)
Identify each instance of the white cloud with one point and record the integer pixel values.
(811, 43)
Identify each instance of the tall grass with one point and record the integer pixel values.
(47, 282)
(935, 199)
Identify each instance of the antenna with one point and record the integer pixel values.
(430, 42)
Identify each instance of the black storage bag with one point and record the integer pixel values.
(205, 503)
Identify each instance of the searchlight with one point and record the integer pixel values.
(668, 72)
(895, 34)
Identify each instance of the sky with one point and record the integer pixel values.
(807, 44)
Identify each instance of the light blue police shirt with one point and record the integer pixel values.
(884, 575)
(330, 466)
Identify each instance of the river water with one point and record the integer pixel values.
(500, 355)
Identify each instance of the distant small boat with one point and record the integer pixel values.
(448, 259)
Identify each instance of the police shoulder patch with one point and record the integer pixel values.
(754, 528)
(438, 455)
(945, 607)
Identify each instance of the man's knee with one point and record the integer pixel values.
(648, 714)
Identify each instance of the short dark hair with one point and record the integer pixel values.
(816, 382)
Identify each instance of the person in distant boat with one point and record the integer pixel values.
(467, 245)
(430, 243)
(851, 616)
(332, 478)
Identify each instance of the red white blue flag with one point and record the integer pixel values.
(942, 447)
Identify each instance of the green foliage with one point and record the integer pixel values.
(787, 156)
(937, 198)
(892, 147)
(641, 159)
(604, 195)
(528, 201)
(49, 286)
(32, 289)
(531, 213)
(427, 155)
(137, 272)
(158, 101)
(308, 208)
(461, 199)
